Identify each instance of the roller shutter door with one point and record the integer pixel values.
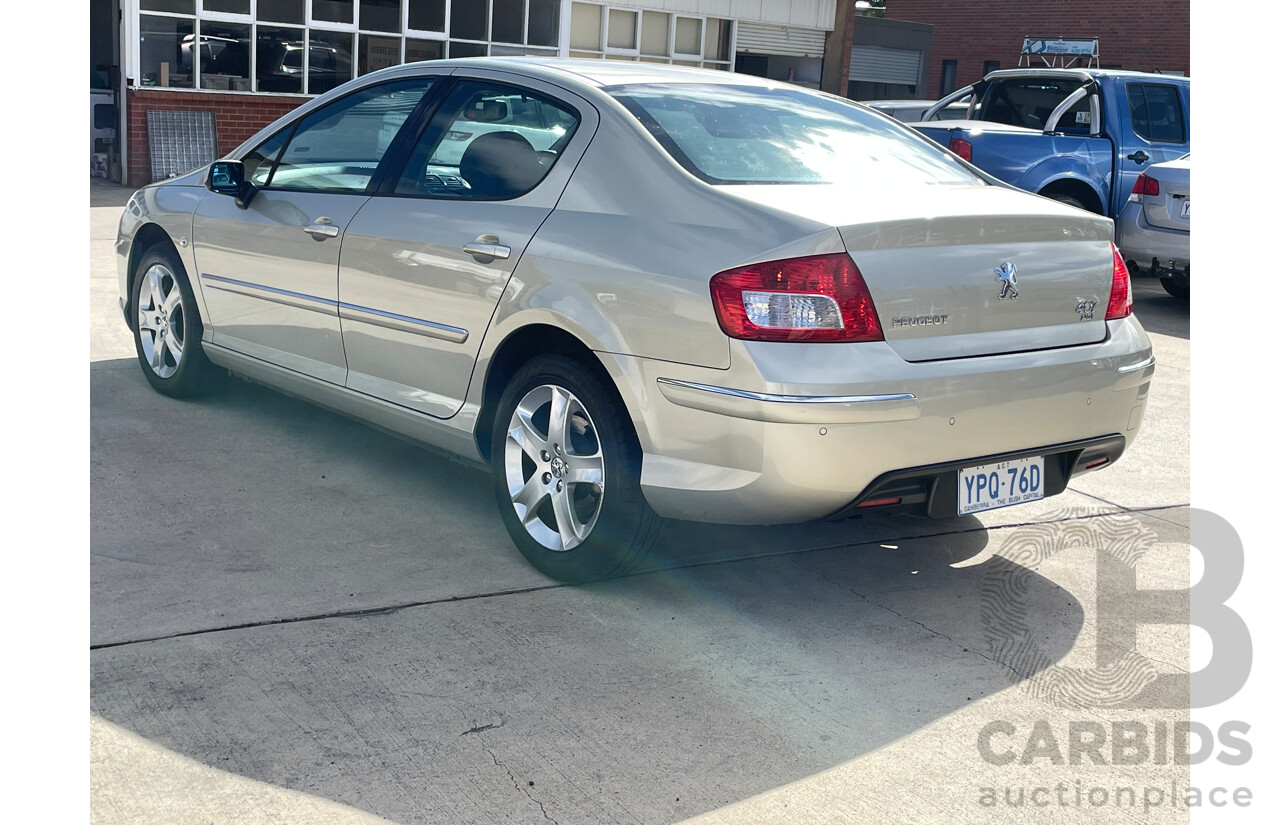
(875, 64)
(757, 38)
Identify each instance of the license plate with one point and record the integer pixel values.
(1186, 208)
(1000, 485)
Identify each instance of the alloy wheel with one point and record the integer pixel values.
(554, 467)
(161, 321)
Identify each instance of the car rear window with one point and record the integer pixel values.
(752, 135)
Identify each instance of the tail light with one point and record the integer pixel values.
(815, 298)
(1121, 303)
(961, 147)
(1144, 186)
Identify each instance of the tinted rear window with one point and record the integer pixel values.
(750, 135)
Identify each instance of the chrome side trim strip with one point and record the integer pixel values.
(1149, 361)
(299, 300)
(790, 409)
(403, 323)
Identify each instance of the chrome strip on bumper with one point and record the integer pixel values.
(790, 409)
(1149, 361)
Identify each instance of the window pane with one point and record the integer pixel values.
(1156, 113)
(175, 6)
(584, 27)
(259, 163)
(469, 20)
(164, 49)
(279, 59)
(282, 11)
(654, 33)
(718, 39)
(227, 6)
(330, 61)
(726, 134)
(333, 11)
(380, 15)
(224, 56)
(622, 29)
(508, 21)
(688, 35)
(378, 53)
(338, 148)
(415, 50)
(467, 49)
(426, 15)
(489, 142)
(544, 23)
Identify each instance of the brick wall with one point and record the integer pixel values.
(1139, 35)
(238, 117)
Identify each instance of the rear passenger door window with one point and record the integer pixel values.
(1155, 110)
(488, 142)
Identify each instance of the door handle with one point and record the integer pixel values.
(486, 248)
(321, 229)
(1139, 157)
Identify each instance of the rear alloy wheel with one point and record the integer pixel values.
(566, 472)
(166, 326)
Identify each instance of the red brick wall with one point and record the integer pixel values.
(1139, 35)
(238, 117)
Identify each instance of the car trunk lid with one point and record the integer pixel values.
(1171, 209)
(963, 271)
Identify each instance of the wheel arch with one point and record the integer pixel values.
(521, 345)
(147, 236)
(1075, 188)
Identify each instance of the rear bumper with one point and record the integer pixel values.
(1142, 243)
(732, 446)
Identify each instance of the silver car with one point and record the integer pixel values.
(699, 296)
(1154, 228)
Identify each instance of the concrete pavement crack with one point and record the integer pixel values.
(517, 784)
(374, 611)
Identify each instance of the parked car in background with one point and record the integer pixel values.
(687, 306)
(1154, 228)
(911, 111)
(1081, 136)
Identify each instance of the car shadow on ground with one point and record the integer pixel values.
(1159, 311)
(708, 679)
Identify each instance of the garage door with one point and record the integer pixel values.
(756, 38)
(876, 64)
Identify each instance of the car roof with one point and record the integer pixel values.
(602, 73)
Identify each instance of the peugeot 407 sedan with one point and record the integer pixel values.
(637, 291)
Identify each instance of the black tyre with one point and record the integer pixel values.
(1177, 287)
(566, 466)
(1069, 201)
(166, 326)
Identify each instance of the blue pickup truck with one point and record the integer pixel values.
(1081, 136)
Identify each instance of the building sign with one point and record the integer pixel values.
(1060, 47)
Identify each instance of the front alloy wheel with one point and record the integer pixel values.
(554, 467)
(162, 326)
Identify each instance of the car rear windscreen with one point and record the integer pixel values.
(753, 135)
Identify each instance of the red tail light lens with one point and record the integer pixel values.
(1121, 303)
(1145, 186)
(816, 298)
(961, 147)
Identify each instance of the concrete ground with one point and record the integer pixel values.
(296, 618)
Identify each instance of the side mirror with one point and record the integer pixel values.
(226, 177)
